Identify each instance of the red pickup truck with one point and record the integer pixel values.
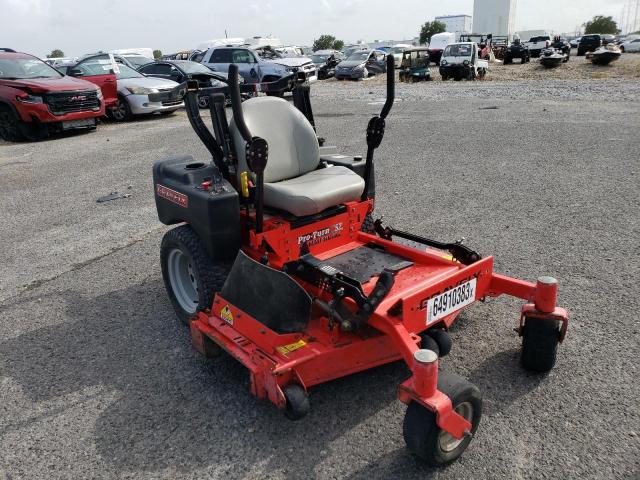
(36, 99)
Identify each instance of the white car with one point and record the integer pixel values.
(396, 51)
(631, 45)
(575, 42)
(133, 95)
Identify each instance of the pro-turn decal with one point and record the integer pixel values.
(292, 347)
(322, 235)
(226, 314)
(175, 197)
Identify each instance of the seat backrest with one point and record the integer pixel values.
(293, 145)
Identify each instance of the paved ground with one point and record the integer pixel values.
(97, 379)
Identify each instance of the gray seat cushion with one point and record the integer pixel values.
(315, 191)
(292, 182)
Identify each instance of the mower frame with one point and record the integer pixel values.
(354, 324)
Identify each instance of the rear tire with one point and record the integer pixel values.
(190, 277)
(10, 125)
(423, 436)
(540, 339)
(368, 226)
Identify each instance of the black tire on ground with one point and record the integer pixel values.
(423, 436)
(9, 125)
(427, 342)
(297, 402)
(523, 60)
(443, 339)
(121, 112)
(621, 48)
(507, 61)
(539, 344)
(444, 78)
(190, 276)
(580, 52)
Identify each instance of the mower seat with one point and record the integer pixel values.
(292, 179)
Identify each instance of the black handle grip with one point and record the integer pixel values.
(391, 86)
(236, 103)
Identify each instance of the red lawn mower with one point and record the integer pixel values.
(278, 262)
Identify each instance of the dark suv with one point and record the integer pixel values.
(36, 99)
(589, 43)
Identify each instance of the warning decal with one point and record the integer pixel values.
(226, 314)
(292, 347)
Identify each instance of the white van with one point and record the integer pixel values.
(437, 45)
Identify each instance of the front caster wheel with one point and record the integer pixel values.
(297, 402)
(540, 339)
(437, 340)
(423, 436)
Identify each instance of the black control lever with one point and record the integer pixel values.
(375, 129)
(257, 149)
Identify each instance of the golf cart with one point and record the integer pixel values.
(277, 261)
(415, 65)
(462, 61)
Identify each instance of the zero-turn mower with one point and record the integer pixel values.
(278, 262)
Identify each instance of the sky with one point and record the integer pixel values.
(80, 26)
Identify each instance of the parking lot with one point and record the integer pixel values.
(98, 379)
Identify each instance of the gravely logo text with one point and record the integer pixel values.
(176, 197)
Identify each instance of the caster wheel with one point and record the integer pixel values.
(540, 339)
(443, 339)
(422, 435)
(297, 402)
(429, 343)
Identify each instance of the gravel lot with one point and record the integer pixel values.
(98, 380)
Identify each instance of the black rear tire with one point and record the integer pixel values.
(540, 339)
(423, 436)
(181, 246)
(10, 125)
(297, 402)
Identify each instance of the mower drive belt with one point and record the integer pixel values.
(364, 262)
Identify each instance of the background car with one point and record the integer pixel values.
(182, 70)
(362, 64)
(397, 51)
(607, 38)
(36, 99)
(631, 45)
(133, 88)
(575, 42)
(589, 43)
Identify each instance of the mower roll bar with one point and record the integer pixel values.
(375, 129)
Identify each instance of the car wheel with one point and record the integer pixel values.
(622, 49)
(121, 111)
(9, 125)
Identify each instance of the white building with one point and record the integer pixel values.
(494, 16)
(456, 23)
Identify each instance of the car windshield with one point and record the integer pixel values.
(319, 58)
(127, 72)
(359, 56)
(137, 60)
(193, 67)
(397, 50)
(457, 51)
(26, 68)
(268, 53)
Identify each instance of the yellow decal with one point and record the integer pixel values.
(226, 314)
(292, 347)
